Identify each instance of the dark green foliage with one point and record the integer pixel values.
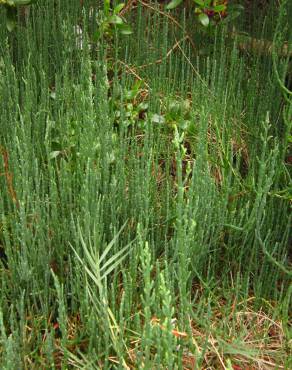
(145, 196)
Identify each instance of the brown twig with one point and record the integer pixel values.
(132, 71)
(195, 71)
(158, 61)
(172, 19)
(129, 6)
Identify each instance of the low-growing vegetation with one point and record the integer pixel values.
(145, 178)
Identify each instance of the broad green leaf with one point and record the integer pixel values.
(11, 19)
(235, 7)
(219, 8)
(54, 154)
(137, 85)
(232, 15)
(124, 29)
(10, 24)
(115, 19)
(130, 94)
(204, 19)
(142, 107)
(173, 4)
(200, 2)
(118, 8)
(157, 118)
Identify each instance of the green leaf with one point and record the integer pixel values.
(199, 2)
(118, 8)
(142, 107)
(53, 95)
(129, 94)
(204, 19)
(11, 19)
(115, 19)
(106, 7)
(183, 124)
(10, 24)
(54, 154)
(231, 16)
(157, 118)
(124, 29)
(111, 244)
(219, 8)
(97, 35)
(235, 7)
(99, 267)
(111, 263)
(173, 4)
